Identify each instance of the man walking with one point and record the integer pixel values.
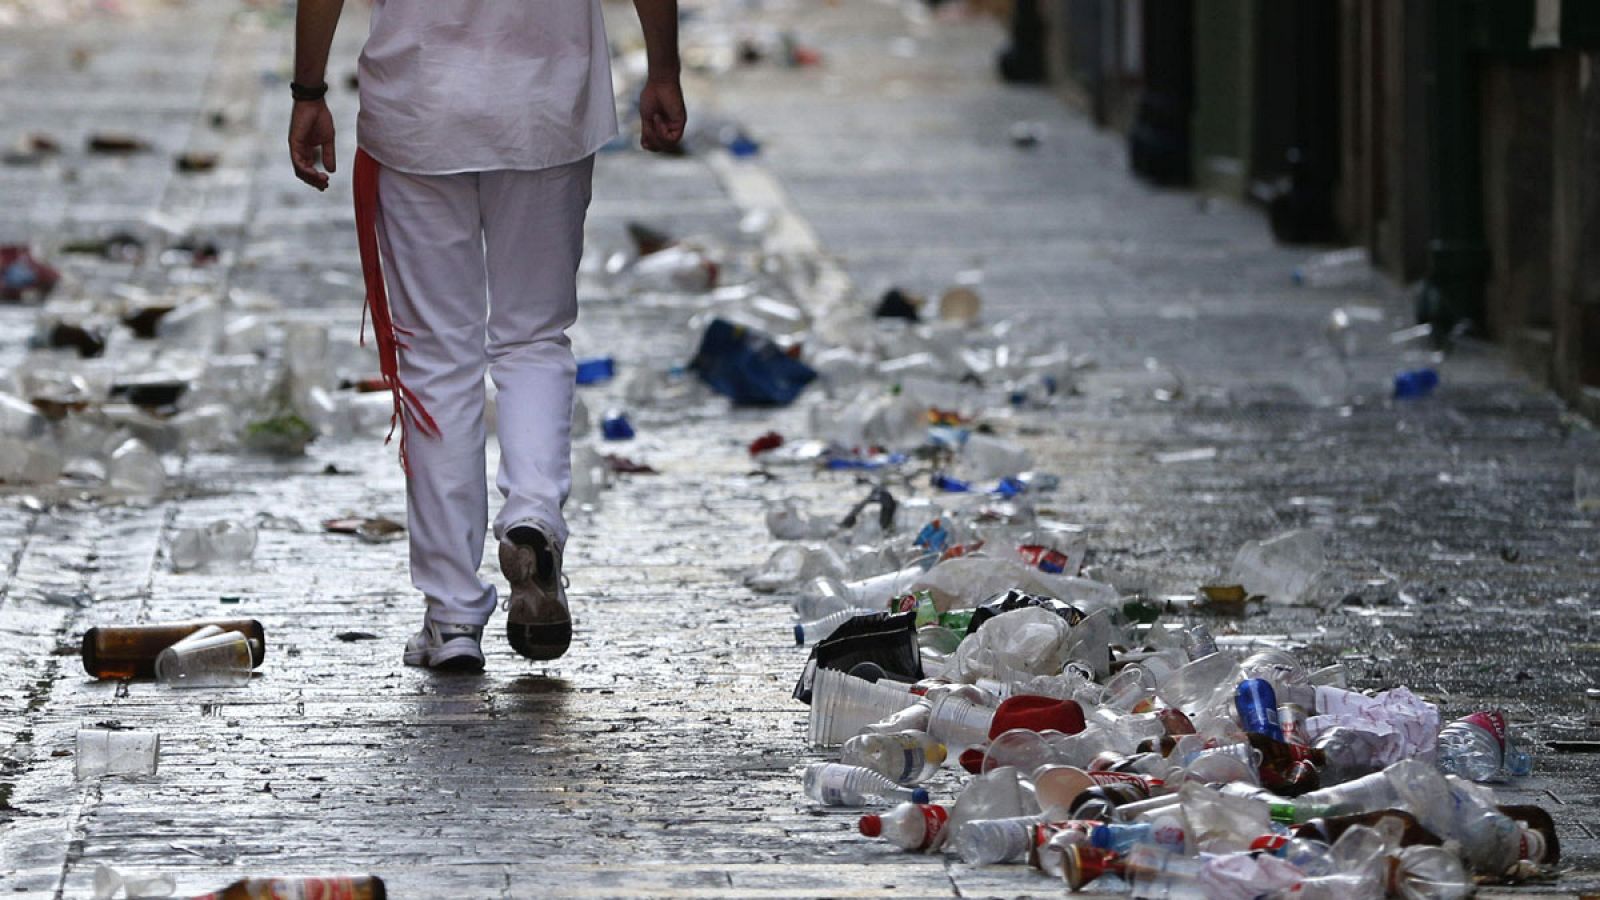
(475, 150)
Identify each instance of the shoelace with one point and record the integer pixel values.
(505, 602)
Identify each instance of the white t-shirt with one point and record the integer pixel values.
(477, 85)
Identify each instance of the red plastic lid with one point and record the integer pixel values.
(871, 826)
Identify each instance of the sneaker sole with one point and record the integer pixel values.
(538, 641)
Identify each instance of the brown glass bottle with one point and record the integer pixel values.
(1329, 828)
(328, 887)
(130, 651)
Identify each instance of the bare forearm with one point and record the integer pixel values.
(659, 19)
(314, 24)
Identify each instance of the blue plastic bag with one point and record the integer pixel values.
(747, 367)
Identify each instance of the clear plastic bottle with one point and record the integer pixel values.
(906, 757)
(1429, 873)
(1479, 748)
(984, 842)
(819, 629)
(909, 826)
(836, 784)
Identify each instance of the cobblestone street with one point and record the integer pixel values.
(662, 755)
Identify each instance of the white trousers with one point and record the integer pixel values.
(481, 269)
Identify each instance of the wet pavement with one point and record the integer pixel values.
(662, 756)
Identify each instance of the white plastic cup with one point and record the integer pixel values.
(220, 660)
(102, 752)
(960, 723)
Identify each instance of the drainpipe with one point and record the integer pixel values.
(1458, 256)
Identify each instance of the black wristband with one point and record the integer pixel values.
(303, 94)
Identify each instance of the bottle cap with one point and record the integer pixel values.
(937, 754)
(871, 826)
(920, 795)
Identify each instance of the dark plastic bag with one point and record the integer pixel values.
(1015, 599)
(746, 366)
(887, 642)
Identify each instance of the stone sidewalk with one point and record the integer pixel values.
(662, 755)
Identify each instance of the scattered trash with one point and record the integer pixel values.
(1285, 569)
(616, 427)
(136, 470)
(195, 162)
(23, 277)
(112, 143)
(1351, 267)
(747, 367)
(207, 658)
(1027, 135)
(1414, 384)
(282, 435)
(960, 305)
(222, 541)
(373, 530)
(108, 882)
(741, 145)
(130, 651)
(597, 370)
(1586, 488)
(103, 752)
(622, 465)
(31, 150)
(769, 441)
(1198, 454)
(897, 304)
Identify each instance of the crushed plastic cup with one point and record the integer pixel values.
(106, 752)
(136, 470)
(1286, 569)
(220, 660)
(220, 541)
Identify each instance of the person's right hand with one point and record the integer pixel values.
(661, 115)
(311, 138)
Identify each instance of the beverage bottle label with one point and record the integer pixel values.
(934, 818)
(831, 784)
(1492, 721)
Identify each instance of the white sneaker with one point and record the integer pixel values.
(446, 647)
(538, 620)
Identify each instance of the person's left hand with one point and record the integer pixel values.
(662, 115)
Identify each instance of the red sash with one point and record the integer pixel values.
(383, 328)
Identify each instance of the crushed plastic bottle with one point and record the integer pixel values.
(1479, 748)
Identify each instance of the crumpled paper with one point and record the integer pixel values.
(1406, 725)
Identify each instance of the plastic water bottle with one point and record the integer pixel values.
(1122, 838)
(906, 757)
(984, 842)
(836, 784)
(1258, 707)
(910, 826)
(820, 628)
(1478, 748)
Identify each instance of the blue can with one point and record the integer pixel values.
(1258, 708)
(596, 370)
(1415, 383)
(616, 427)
